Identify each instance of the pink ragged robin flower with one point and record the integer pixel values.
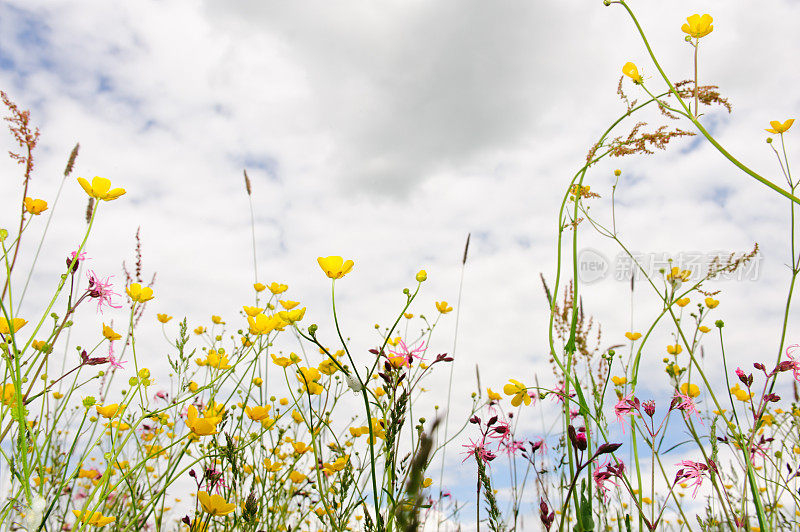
(625, 406)
(479, 450)
(603, 475)
(101, 290)
(686, 404)
(512, 447)
(407, 355)
(692, 472)
(115, 362)
(81, 256)
(500, 431)
(558, 392)
(793, 353)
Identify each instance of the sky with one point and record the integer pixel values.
(385, 132)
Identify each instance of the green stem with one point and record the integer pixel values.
(697, 124)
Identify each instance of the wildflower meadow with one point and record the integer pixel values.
(268, 420)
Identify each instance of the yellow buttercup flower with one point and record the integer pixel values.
(100, 189)
(88, 473)
(9, 394)
(288, 304)
(138, 293)
(703, 329)
(285, 362)
(692, 390)
(94, 518)
(337, 465)
(493, 396)
(778, 128)
(15, 325)
(442, 307)
(277, 288)
(291, 316)
(676, 275)
(740, 394)
(257, 413)
(214, 504)
(271, 466)
(698, 26)
(260, 287)
(201, 426)
(328, 367)
(300, 447)
(109, 333)
(682, 302)
(108, 411)
(41, 345)
(252, 311)
(35, 206)
(335, 267)
(296, 477)
(519, 391)
(630, 70)
(711, 302)
(674, 349)
(619, 381)
(163, 318)
(217, 360)
(263, 324)
(633, 336)
(308, 378)
(217, 320)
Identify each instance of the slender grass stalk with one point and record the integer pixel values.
(452, 368)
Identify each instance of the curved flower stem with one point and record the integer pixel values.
(567, 371)
(365, 397)
(697, 124)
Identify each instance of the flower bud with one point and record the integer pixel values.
(422, 276)
(607, 448)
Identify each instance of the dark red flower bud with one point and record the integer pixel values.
(607, 448)
(547, 518)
